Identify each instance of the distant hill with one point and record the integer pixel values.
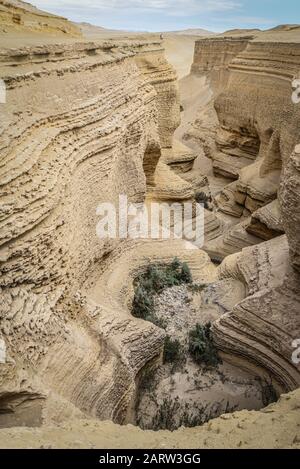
(285, 27)
(240, 32)
(92, 31)
(22, 18)
(84, 25)
(192, 32)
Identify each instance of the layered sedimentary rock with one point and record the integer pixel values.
(83, 123)
(266, 222)
(87, 121)
(18, 16)
(261, 329)
(276, 426)
(213, 55)
(251, 115)
(255, 146)
(259, 113)
(246, 140)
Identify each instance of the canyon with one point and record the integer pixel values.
(89, 118)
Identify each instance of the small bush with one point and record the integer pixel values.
(142, 306)
(159, 322)
(197, 288)
(165, 416)
(147, 380)
(172, 350)
(201, 345)
(202, 198)
(268, 392)
(155, 280)
(185, 274)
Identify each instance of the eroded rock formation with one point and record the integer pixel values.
(276, 426)
(87, 121)
(20, 17)
(83, 123)
(255, 146)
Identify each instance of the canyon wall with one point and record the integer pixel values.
(213, 55)
(255, 146)
(276, 426)
(86, 121)
(19, 17)
(82, 123)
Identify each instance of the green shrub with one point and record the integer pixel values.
(142, 306)
(201, 345)
(202, 198)
(155, 280)
(172, 350)
(197, 288)
(268, 392)
(172, 413)
(185, 274)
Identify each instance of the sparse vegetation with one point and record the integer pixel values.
(159, 409)
(147, 381)
(201, 345)
(185, 274)
(203, 198)
(173, 352)
(155, 280)
(197, 288)
(142, 306)
(172, 414)
(268, 392)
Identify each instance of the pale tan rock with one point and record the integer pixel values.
(289, 202)
(277, 426)
(19, 18)
(243, 99)
(87, 120)
(261, 328)
(83, 122)
(266, 221)
(254, 144)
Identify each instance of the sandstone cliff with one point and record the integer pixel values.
(85, 121)
(21, 18)
(254, 146)
(277, 426)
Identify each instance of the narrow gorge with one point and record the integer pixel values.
(86, 119)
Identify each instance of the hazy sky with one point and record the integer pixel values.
(163, 15)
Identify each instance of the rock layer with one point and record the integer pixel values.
(255, 145)
(83, 123)
(87, 121)
(277, 426)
